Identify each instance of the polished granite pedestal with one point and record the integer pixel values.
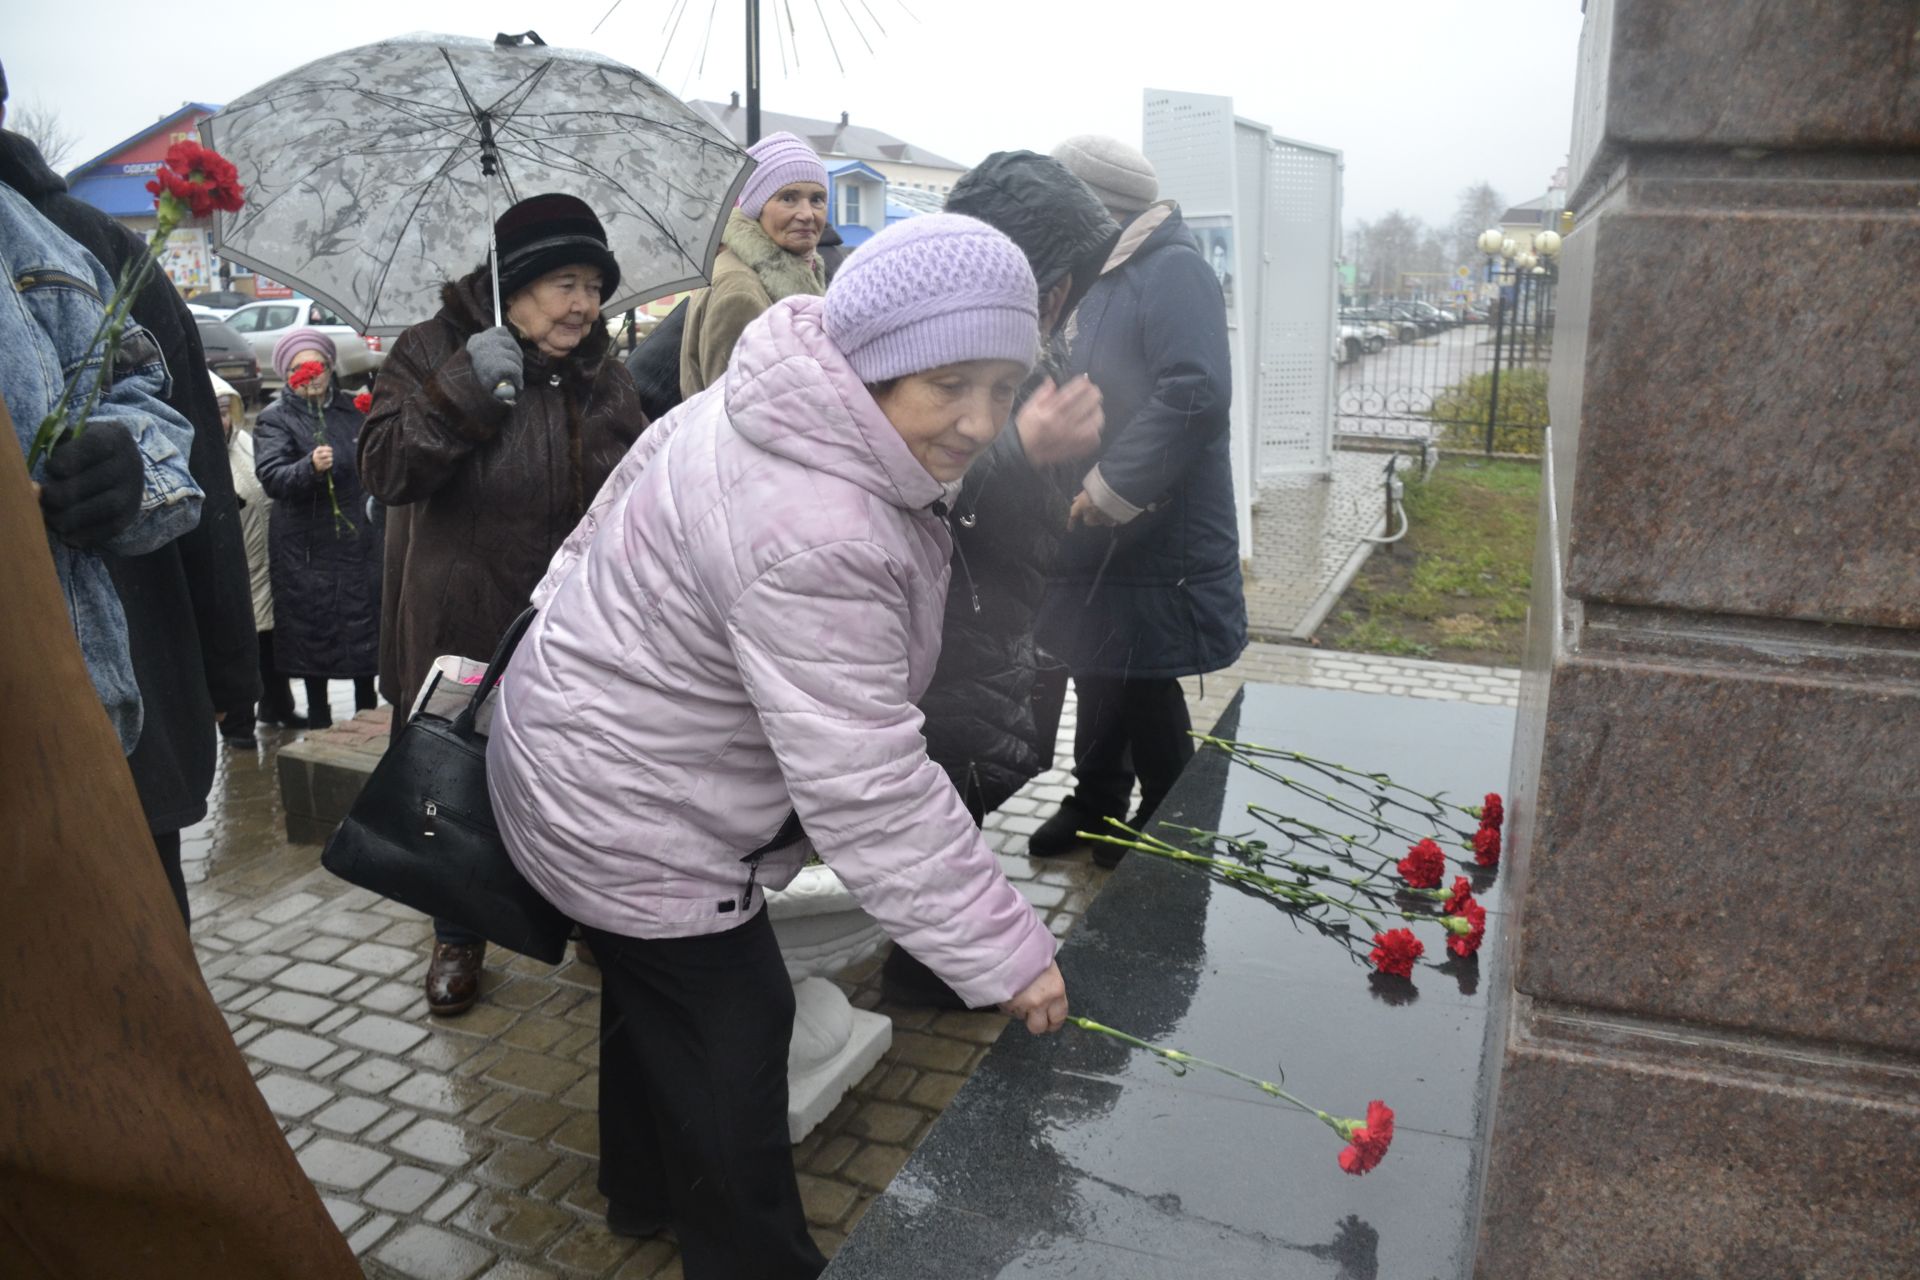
(1073, 1155)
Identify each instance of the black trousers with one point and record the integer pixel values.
(1128, 727)
(276, 696)
(320, 712)
(168, 844)
(693, 1098)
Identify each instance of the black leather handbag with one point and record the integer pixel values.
(422, 830)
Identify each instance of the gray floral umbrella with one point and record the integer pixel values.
(373, 175)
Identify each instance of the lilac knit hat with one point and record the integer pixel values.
(783, 158)
(932, 291)
(294, 341)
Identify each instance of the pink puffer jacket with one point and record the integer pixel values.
(739, 628)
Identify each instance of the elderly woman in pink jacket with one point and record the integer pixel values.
(723, 677)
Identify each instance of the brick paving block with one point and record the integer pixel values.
(832, 1153)
(343, 1212)
(895, 1084)
(585, 1196)
(577, 1041)
(352, 924)
(655, 1259)
(875, 1165)
(580, 1134)
(438, 1142)
(333, 1163)
(535, 1071)
(379, 958)
(312, 977)
(369, 1235)
(361, 984)
(536, 1031)
(289, 908)
(428, 1253)
(523, 993)
(321, 949)
(284, 1048)
(1061, 923)
(532, 1118)
(483, 1054)
(451, 1199)
(403, 1189)
(516, 1221)
(516, 1164)
(411, 934)
(885, 1122)
(555, 1181)
(590, 1247)
(375, 1075)
(486, 1020)
(350, 1115)
(291, 1007)
(1044, 895)
(339, 1018)
(242, 931)
(257, 968)
(386, 1128)
(935, 1089)
(444, 1050)
(381, 1034)
(291, 1096)
(513, 1269)
(825, 1201)
(930, 1053)
(584, 1092)
(444, 1095)
(393, 997)
(491, 1106)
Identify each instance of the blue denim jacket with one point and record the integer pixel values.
(46, 319)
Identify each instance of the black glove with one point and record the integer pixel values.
(93, 485)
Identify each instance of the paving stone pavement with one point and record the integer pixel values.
(1306, 531)
(449, 1150)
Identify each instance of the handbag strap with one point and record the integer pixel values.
(496, 667)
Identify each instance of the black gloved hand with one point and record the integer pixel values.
(93, 484)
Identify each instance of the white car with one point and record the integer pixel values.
(263, 323)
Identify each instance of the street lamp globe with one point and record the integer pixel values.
(1508, 248)
(1548, 243)
(1525, 260)
(1490, 242)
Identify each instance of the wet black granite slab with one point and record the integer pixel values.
(1072, 1155)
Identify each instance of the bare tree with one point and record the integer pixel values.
(1385, 249)
(1480, 208)
(40, 125)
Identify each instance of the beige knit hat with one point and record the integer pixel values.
(1122, 177)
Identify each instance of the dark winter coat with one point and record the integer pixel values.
(481, 493)
(188, 605)
(1160, 595)
(982, 723)
(325, 568)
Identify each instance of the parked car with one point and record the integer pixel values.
(229, 355)
(1433, 315)
(1399, 327)
(220, 302)
(262, 323)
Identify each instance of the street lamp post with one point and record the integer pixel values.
(1495, 245)
(1525, 268)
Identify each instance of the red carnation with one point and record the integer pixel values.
(363, 402)
(202, 180)
(1461, 895)
(1486, 846)
(1476, 915)
(304, 372)
(1424, 865)
(1395, 951)
(1368, 1141)
(1492, 812)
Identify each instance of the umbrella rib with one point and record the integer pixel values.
(586, 168)
(525, 88)
(380, 281)
(664, 126)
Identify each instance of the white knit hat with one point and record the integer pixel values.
(1122, 177)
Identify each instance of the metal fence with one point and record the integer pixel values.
(1406, 373)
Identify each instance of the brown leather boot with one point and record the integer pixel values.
(453, 978)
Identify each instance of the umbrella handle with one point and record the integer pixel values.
(504, 392)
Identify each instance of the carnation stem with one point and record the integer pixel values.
(1298, 895)
(320, 437)
(1183, 1059)
(1248, 753)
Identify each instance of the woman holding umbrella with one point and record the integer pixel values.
(769, 252)
(323, 550)
(481, 489)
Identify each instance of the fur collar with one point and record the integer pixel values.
(782, 274)
(466, 304)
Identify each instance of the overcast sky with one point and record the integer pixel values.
(1423, 96)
